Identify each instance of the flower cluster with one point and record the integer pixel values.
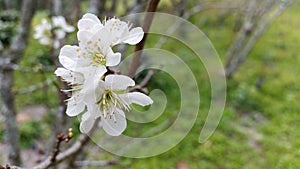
(51, 33)
(95, 94)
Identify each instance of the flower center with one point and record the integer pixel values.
(47, 33)
(99, 58)
(109, 102)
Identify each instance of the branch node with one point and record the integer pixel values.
(59, 138)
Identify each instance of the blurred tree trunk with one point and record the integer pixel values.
(60, 122)
(12, 56)
(259, 15)
(8, 4)
(2, 5)
(9, 113)
(97, 7)
(56, 7)
(112, 11)
(75, 13)
(44, 5)
(137, 7)
(179, 7)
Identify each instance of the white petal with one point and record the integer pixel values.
(102, 38)
(56, 43)
(58, 21)
(113, 59)
(68, 63)
(83, 37)
(118, 82)
(86, 24)
(92, 93)
(70, 51)
(92, 17)
(99, 72)
(60, 34)
(75, 105)
(37, 35)
(96, 28)
(94, 73)
(137, 98)
(112, 127)
(69, 76)
(64, 73)
(69, 28)
(44, 40)
(68, 56)
(91, 84)
(117, 29)
(135, 36)
(87, 122)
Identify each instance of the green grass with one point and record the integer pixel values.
(242, 139)
(259, 128)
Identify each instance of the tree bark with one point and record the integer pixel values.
(256, 22)
(57, 7)
(97, 7)
(8, 4)
(75, 13)
(9, 113)
(12, 55)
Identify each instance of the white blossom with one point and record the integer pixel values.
(119, 31)
(60, 27)
(51, 33)
(110, 101)
(91, 57)
(42, 32)
(84, 67)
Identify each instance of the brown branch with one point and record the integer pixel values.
(20, 41)
(135, 62)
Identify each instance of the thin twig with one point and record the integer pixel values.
(96, 163)
(5, 64)
(62, 156)
(60, 137)
(193, 11)
(234, 62)
(35, 87)
(141, 87)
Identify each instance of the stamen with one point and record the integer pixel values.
(114, 117)
(109, 102)
(104, 113)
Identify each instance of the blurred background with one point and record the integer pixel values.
(257, 41)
